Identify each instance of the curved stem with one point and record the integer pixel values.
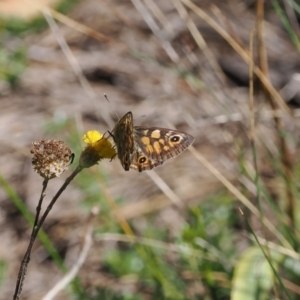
(37, 226)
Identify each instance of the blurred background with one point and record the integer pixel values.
(220, 221)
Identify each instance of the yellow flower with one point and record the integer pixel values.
(98, 147)
(92, 137)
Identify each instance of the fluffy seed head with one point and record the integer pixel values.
(51, 158)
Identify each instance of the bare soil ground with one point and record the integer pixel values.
(163, 75)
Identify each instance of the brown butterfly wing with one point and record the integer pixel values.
(161, 144)
(155, 145)
(123, 138)
(142, 163)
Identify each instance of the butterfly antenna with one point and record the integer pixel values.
(112, 107)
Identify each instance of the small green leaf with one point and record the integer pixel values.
(253, 276)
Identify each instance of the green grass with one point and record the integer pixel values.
(12, 64)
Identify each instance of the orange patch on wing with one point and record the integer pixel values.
(146, 140)
(156, 147)
(155, 134)
(149, 149)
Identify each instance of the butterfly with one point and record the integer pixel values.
(144, 148)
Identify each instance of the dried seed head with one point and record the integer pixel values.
(98, 147)
(51, 158)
